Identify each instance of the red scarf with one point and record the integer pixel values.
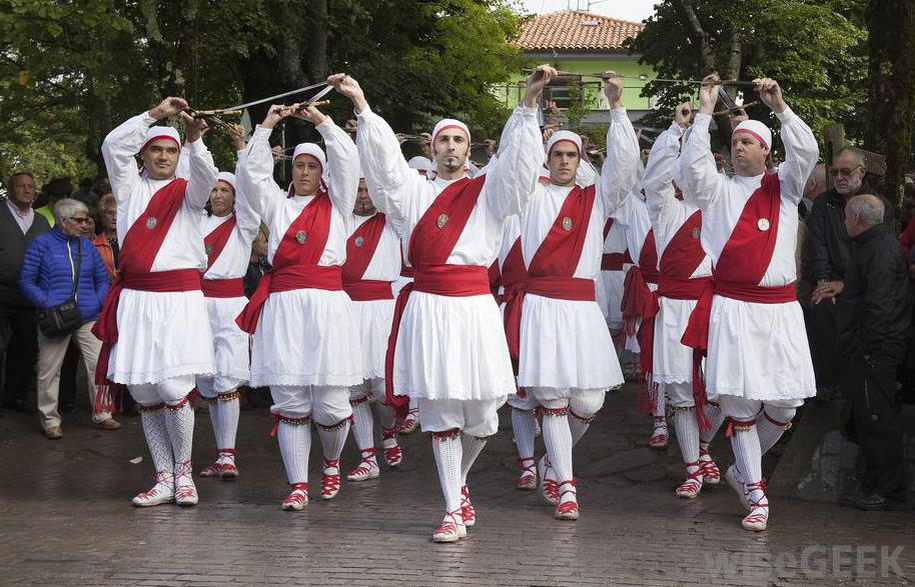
(640, 302)
(360, 249)
(295, 262)
(553, 265)
(431, 243)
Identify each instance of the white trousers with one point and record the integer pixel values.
(478, 418)
(326, 404)
(582, 402)
(51, 352)
(741, 408)
(170, 391)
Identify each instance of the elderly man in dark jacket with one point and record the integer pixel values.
(829, 253)
(874, 326)
(53, 262)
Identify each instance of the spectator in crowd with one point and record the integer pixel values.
(258, 264)
(85, 194)
(874, 326)
(18, 226)
(56, 189)
(816, 185)
(106, 243)
(52, 262)
(828, 256)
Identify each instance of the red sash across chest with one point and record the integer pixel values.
(295, 262)
(551, 271)
(360, 249)
(613, 261)
(214, 243)
(681, 258)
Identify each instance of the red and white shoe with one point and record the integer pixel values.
(710, 471)
(549, 490)
(367, 468)
(468, 514)
(758, 518)
(330, 479)
(225, 470)
(734, 480)
(658, 440)
(567, 508)
(393, 454)
(409, 424)
(528, 479)
(162, 492)
(185, 490)
(451, 529)
(297, 498)
(690, 488)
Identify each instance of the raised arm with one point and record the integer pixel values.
(620, 170)
(256, 169)
(202, 174)
(657, 180)
(695, 171)
(342, 168)
(512, 175)
(119, 151)
(801, 154)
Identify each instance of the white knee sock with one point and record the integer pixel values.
(180, 425)
(557, 437)
(471, 447)
(160, 447)
(770, 432)
(715, 417)
(747, 453)
(524, 427)
(213, 408)
(660, 408)
(362, 425)
(295, 446)
(447, 451)
(578, 425)
(687, 428)
(385, 415)
(227, 427)
(333, 438)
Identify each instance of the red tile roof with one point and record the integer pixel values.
(572, 30)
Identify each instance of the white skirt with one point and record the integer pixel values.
(161, 335)
(608, 290)
(452, 348)
(758, 351)
(673, 362)
(231, 344)
(307, 337)
(565, 344)
(375, 317)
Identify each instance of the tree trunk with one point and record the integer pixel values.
(183, 81)
(891, 89)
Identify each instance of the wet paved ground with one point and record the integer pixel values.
(66, 519)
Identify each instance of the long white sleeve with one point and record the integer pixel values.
(256, 177)
(620, 171)
(202, 175)
(248, 219)
(657, 180)
(391, 182)
(695, 171)
(119, 150)
(342, 169)
(801, 154)
(512, 177)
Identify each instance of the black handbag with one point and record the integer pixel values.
(65, 318)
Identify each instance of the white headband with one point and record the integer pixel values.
(155, 133)
(227, 177)
(563, 135)
(450, 123)
(758, 130)
(310, 149)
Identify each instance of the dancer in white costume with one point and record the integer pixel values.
(154, 325)
(372, 264)
(450, 352)
(758, 364)
(306, 343)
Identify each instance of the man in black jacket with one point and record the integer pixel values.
(19, 224)
(828, 256)
(874, 325)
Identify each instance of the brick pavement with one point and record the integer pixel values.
(66, 519)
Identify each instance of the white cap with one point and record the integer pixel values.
(227, 177)
(311, 150)
(758, 130)
(450, 123)
(563, 135)
(155, 133)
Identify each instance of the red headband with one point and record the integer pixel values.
(447, 126)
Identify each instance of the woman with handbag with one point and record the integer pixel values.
(65, 279)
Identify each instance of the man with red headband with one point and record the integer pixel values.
(758, 364)
(155, 302)
(684, 270)
(372, 265)
(447, 347)
(554, 325)
(229, 228)
(305, 342)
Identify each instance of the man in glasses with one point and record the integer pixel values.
(829, 254)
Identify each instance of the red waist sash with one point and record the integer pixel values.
(223, 288)
(288, 279)
(438, 279)
(557, 288)
(406, 271)
(614, 261)
(106, 328)
(681, 289)
(368, 290)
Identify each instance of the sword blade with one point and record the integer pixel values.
(283, 95)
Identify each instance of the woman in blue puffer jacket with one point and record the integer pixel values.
(47, 281)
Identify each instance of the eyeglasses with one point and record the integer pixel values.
(843, 171)
(79, 220)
